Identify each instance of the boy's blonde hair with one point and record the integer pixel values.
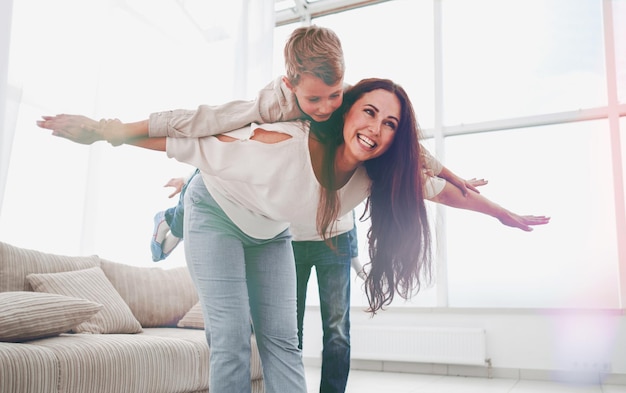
(314, 50)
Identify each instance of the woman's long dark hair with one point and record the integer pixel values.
(399, 237)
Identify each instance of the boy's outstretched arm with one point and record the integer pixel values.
(275, 102)
(465, 186)
(452, 196)
(83, 130)
(434, 167)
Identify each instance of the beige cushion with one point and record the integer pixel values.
(124, 363)
(28, 368)
(90, 284)
(16, 263)
(157, 297)
(30, 315)
(193, 319)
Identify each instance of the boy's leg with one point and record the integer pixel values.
(176, 215)
(303, 273)
(354, 241)
(161, 229)
(168, 226)
(333, 278)
(354, 252)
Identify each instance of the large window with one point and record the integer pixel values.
(517, 93)
(103, 59)
(506, 59)
(560, 170)
(529, 94)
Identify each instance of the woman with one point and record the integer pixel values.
(239, 212)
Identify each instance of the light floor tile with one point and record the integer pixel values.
(614, 389)
(528, 386)
(361, 381)
(452, 384)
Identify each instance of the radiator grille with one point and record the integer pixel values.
(419, 344)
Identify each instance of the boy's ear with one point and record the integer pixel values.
(288, 84)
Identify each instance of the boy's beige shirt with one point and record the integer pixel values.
(274, 103)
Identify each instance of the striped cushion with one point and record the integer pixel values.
(29, 315)
(119, 363)
(90, 284)
(157, 297)
(16, 263)
(193, 319)
(198, 338)
(27, 368)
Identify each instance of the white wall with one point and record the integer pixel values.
(99, 199)
(527, 344)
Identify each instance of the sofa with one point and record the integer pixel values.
(78, 324)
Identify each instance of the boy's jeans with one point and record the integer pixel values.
(174, 216)
(333, 278)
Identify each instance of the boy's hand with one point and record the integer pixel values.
(76, 128)
(474, 182)
(177, 183)
(112, 130)
(465, 185)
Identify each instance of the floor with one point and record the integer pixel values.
(387, 382)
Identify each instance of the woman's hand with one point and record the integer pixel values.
(453, 197)
(76, 128)
(525, 223)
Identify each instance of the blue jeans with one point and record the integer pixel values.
(333, 278)
(354, 242)
(238, 278)
(174, 216)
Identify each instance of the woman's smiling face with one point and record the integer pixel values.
(370, 124)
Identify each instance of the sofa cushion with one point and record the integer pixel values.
(30, 315)
(90, 284)
(198, 338)
(193, 319)
(16, 263)
(157, 297)
(28, 368)
(119, 363)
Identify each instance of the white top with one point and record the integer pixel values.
(265, 188)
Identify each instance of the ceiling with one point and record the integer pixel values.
(291, 11)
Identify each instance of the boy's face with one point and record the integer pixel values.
(315, 97)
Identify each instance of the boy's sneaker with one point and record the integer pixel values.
(161, 228)
(169, 244)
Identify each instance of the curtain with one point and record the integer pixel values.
(113, 59)
(7, 122)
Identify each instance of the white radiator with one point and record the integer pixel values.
(419, 344)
